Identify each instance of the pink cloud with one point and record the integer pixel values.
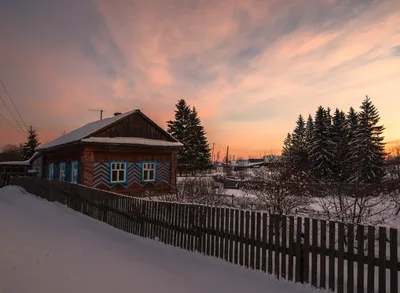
(265, 61)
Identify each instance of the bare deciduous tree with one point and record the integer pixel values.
(197, 190)
(393, 162)
(280, 192)
(365, 206)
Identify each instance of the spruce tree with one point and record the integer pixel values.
(321, 154)
(28, 149)
(198, 149)
(368, 145)
(178, 128)
(309, 130)
(352, 152)
(299, 145)
(340, 145)
(287, 147)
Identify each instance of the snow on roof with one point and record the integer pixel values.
(84, 131)
(21, 163)
(16, 163)
(132, 141)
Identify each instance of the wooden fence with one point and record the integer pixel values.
(331, 255)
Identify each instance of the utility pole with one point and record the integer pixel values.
(226, 161)
(212, 154)
(101, 112)
(227, 153)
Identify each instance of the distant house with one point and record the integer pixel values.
(128, 154)
(18, 168)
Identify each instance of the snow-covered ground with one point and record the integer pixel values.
(46, 248)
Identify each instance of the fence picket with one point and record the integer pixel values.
(350, 259)
(371, 256)
(299, 265)
(217, 229)
(181, 226)
(237, 241)
(306, 252)
(314, 252)
(227, 234)
(208, 230)
(332, 241)
(222, 236)
(360, 259)
(264, 243)
(277, 244)
(270, 241)
(291, 249)
(175, 224)
(258, 240)
(247, 237)
(185, 226)
(394, 281)
(189, 227)
(231, 234)
(253, 239)
(213, 231)
(284, 252)
(382, 260)
(340, 281)
(241, 247)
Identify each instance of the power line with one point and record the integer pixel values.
(1, 115)
(15, 107)
(11, 113)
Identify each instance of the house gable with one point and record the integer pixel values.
(135, 125)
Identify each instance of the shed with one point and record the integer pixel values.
(128, 153)
(11, 169)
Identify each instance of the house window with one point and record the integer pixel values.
(149, 172)
(118, 172)
(51, 171)
(74, 172)
(62, 171)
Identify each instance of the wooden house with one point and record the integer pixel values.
(11, 169)
(127, 153)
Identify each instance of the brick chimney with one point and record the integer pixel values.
(117, 113)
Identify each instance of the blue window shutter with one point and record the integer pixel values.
(110, 172)
(79, 173)
(155, 171)
(126, 172)
(70, 172)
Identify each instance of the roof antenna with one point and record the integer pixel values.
(101, 112)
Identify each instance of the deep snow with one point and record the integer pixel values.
(47, 248)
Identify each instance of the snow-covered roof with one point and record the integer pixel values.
(132, 141)
(16, 163)
(21, 163)
(84, 131)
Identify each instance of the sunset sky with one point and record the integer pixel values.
(250, 67)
